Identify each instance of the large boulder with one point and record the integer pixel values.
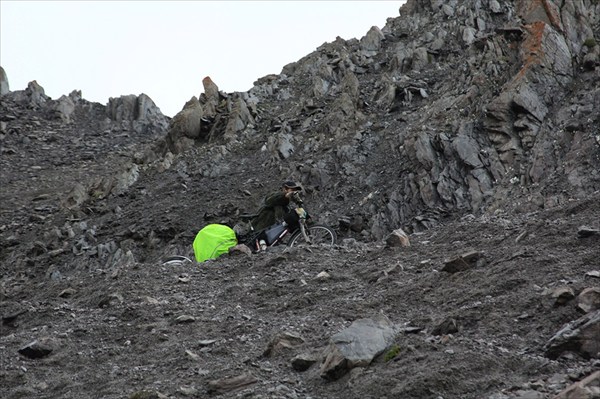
(581, 336)
(185, 126)
(357, 346)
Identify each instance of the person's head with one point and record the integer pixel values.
(291, 186)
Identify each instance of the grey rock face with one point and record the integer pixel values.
(64, 107)
(461, 143)
(138, 113)
(4, 87)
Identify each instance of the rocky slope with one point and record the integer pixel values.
(471, 125)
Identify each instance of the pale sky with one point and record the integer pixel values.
(165, 48)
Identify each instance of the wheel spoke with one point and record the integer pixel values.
(319, 235)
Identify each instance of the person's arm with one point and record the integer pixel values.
(276, 199)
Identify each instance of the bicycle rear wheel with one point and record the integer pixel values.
(318, 235)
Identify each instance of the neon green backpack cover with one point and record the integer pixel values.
(213, 241)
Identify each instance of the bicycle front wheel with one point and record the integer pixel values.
(318, 235)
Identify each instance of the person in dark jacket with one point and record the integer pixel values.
(276, 206)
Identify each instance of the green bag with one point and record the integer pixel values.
(213, 241)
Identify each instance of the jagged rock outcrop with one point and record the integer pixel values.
(210, 98)
(4, 86)
(34, 95)
(138, 113)
(212, 116)
(464, 102)
(83, 130)
(459, 129)
(185, 126)
(64, 107)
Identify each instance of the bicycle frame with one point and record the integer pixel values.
(290, 232)
(287, 232)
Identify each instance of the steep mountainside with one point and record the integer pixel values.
(472, 125)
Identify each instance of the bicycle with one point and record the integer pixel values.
(283, 233)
